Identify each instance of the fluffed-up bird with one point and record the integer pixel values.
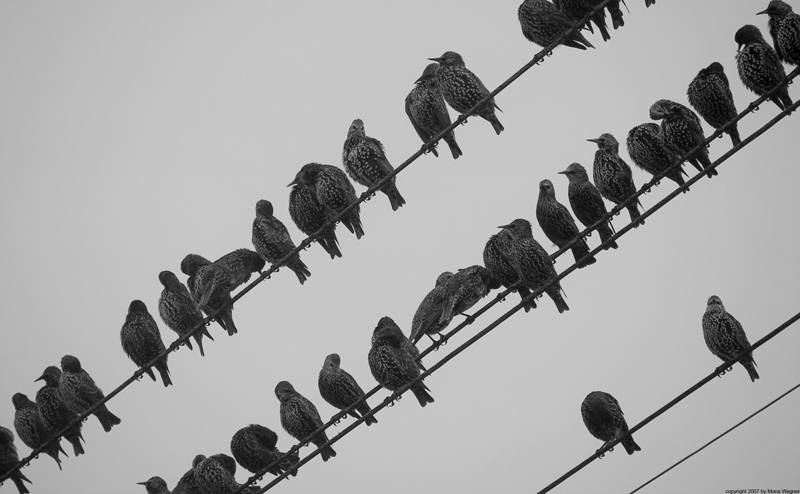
(710, 94)
(429, 318)
(79, 393)
(613, 177)
(155, 485)
(428, 114)
(725, 336)
(759, 67)
(255, 448)
(241, 264)
(364, 159)
(215, 475)
(141, 341)
(587, 202)
(9, 459)
(54, 413)
(300, 418)
(784, 27)
(333, 191)
(272, 241)
(682, 132)
(30, 428)
(187, 483)
(178, 310)
(466, 287)
(340, 389)
(310, 216)
(200, 272)
(542, 23)
(604, 418)
(501, 269)
(649, 152)
(558, 225)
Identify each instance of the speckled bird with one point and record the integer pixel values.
(429, 318)
(784, 27)
(141, 341)
(577, 10)
(466, 287)
(390, 362)
(333, 191)
(759, 67)
(501, 269)
(365, 161)
(215, 475)
(587, 203)
(211, 285)
(178, 311)
(613, 8)
(155, 485)
(54, 413)
(558, 225)
(272, 241)
(710, 94)
(198, 267)
(30, 428)
(613, 177)
(604, 418)
(187, 483)
(241, 264)
(255, 447)
(310, 217)
(428, 114)
(340, 389)
(649, 152)
(542, 24)
(78, 391)
(462, 89)
(725, 336)
(682, 132)
(9, 459)
(300, 418)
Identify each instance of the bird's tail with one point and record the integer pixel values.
(555, 293)
(600, 21)
(450, 139)
(77, 447)
(395, 199)
(289, 462)
(733, 131)
(750, 365)
(300, 269)
(106, 418)
(162, 369)
(616, 15)
(648, 3)
(421, 392)
(524, 291)
(353, 223)
(17, 478)
(606, 232)
(492, 118)
(330, 244)
(225, 319)
(633, 210)
(581, 250)
(327, 452)
(630, 445)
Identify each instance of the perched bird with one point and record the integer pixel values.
(501, 269)
(759, 67)
(30, 428)
(272, 241)
(428, 114)
(710, 94)
(201, 272)
(77, 390)
(365, 161)
(178, 311)
(155, 485)
(141, 341)
(391, 363)
(682, 132)
(340, 389)
(300, 418)
(429, 318)
(241, 264)
(558, 225)
(466, 287)
(215, 475)
(578, 9)
(542, 24)
(587, 203)
(54, 413)
(613, 177)
(187, 483)
(725, 336)
(310, 216)
(784, 27)
(462, 89)
(604, 419)
(649, 152)
(9, 459)
(333, 191)
(255, 447)
(614, 11)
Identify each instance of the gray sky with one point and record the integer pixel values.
(135, 133)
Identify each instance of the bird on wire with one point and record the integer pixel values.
(333, 191)
(255, 447)
(187, 484)
(300, 418)
(587, 202)
(604, 418)
(501, 269)
(79, 393)
(272, 241)
(784, 27)
(613, 177)
(199, 269)
(542, 23)
(54, 413)
(340, 389)
(649, 152)
(178, 310)
(241, 264)
(578, 9)
(429, 318)
(141, 341)
(759, 67)
(559, 226)
(30, 428)
(725, 336)
(710, 94)
(682, 132)
(310, 216)
(428, 114)
(9, 459)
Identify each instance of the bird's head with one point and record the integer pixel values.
(443, 278)
(264, 208)
(357, 128)
(284, 390)
(191, 262)
(449, 58)
(575, 173)
(429, 73)
(714, 303)
(21, 401)
(70, 364)
(546, 189)
(777, 9)
(332, 362)
(50, 376)
(155, 485)
(748, 34)
(606, 141)
(137, 307)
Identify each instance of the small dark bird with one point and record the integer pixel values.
(241, 264)
(178, 311)
(725, 336)
(462, 89)
(501, 269)
(682, 132)
(198, 267)
(648, 3)
(30, 428)
(155, 485)
(784, 27)
(429, 318)
(211, 284)
(54, 413)
(340, 389)
(300, 418)
(613, 177)
(390, 362)
(649, 152)
(759, 67)
(542, 24)
(604, 419)
(558, 225)
(310, 216)
(187, 483)
(587, 203)
(333, 191)
(215, 475)
(614, 11)
(255, 448)
(577, 10)
(428, 114)
(272, 241)
(9, 459)
(710, 94)
(77, 390)
(365, 161)
(141, 341)
(465, 288)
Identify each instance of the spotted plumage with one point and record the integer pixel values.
(784, 27)
(682, 132)
(340, 389)
(587, 203)
(710, 94)
(215, 475)
(542, 23)
(501, 270)
(79, 393)
(300, 418)
(30, 428)
(255, 448)
(54, 413)
(466, 287)
(178, 310)
(759, 67)
(310, 216)
(428, 114)
(187, 483)
(614, 11)
(613, 177)
(429, 318)
(603, 417)
(365, 161)
(197, 267)
(558, 225)
(141, 341)
(391, 363)
(241, 264)
(9, 459)
(578, 9)
(333, 191)
(155, 485)
(272, 241)
(649, 152)
(725, 336)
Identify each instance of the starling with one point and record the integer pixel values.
(558, 225)
(241, 263)
(310, 217)
(614, 11)
(759, 67)
(155, 485)
(187, 483)
(725, 336)
(587, 203)
(605, 420)
(530, 260)
(77, 390)
(254, 447)
(54, 414)
(334, 192)
(462, 89)
(215, 475)
(578, 9)
(465, 288)
(9, 459)
(784, 26)
(429, 318)
(197, 267)
(272, 241)
(649, 152)
(710, 94)
(428, 114)
(141, 341)
(300, 418)
(391, 363)
(542, 24)
(30, 428)
(365, 161)
(340, 389)
(501, 269)
(613, 177)
(178, 311)
(682, 132)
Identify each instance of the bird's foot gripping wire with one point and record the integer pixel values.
(392, 403)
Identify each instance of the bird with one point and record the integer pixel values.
(178, 310)
(241, 264)
(465, 288)
(604, 418)
(391, 363)
(530, 260)
(334, 192)
(682, 132)
(428, 114)
(197, 267)
(272, 241)
(155, 485)
(542, 23)
(300, 418)
(30, 428)
(429, 317)
(725, 336)
(364, 159)
(649, 152)
(215, 475)
(462, 89)
(613, 177)
(614, 11)
(587, 203)
(340, 389)
(578, 9)
(54, 413)
(784, 27)
(710, 94)
(187, 483)
(310, 216)
(648, 3)
(501, 269)
(759, 67)
(211, 283)
(141, 341)
(78, 391)
(255, 448)
(558, 225)
(9, 459)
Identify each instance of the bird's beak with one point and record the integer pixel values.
(563, 173)
(141, 483)
(504, 226)
(39, 379)
(763, 12)
(593, 140)
(294, 182)
(437, 60)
